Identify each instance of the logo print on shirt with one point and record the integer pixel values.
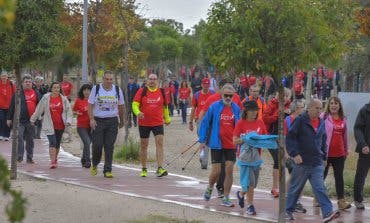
(227, 117)
(153, 101)
(54, 107)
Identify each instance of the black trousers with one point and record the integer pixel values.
(338, 166)
(363, 164)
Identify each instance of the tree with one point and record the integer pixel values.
(274, 37)
(36, 35)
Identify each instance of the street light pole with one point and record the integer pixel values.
(84, 44)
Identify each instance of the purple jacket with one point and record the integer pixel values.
(329, 131)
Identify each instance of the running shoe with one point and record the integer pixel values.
(331, 216)
(144, 172)
(220, 192)
(93, 170)
(207, 194)
(299, 208)
(359, 205)
(289, 216)
(240, 199)
(251, 210)
(53, 165)
(108, 174)
(227, 202)
(161, 172)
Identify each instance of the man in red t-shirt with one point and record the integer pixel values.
(151, 108)
(29, 100)
(7, 89)
(67, 87)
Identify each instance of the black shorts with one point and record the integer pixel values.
(217, 155)
(144, 131)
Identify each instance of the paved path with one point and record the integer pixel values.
(176, 189)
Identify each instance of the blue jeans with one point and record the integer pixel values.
(4, 128)
(85, 135)
(183, 107)
(315, 174)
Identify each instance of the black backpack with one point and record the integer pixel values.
(116, 87)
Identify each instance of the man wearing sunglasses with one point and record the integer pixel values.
(216, 130)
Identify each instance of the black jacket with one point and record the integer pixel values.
(362, 129)
(24, 116)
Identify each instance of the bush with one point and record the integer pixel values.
(128, 152)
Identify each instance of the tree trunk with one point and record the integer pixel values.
(281, 144)
(309, 86)
(124, 81)
(93, 69)
(13, 167)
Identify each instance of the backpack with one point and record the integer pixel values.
(145, 89)
(116, 87)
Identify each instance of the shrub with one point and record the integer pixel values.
(128, 152)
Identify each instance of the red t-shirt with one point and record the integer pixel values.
(315, 123)
(184, 93)
(215, 97)
(66, 88)
(336, 147)
(80, 106)
(200, 102)
(227, 127)
(31, 100)
(56, 110)
(152, 106)
(244, 127)
(6, 94)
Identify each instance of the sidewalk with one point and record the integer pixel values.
(175, 189)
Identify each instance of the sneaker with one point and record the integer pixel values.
(342, 204)
(93, 170)
(53, 165)
(227, 202)
(220, 192)
(275, 193)
(6, 139)
(207, 194)
(56, 163)
(30, 161)
(251, 210)
(359, 205)
(144, 172)
(299, 208)
(108, 174)
(240, 199)
(289, 216)
(87, 165)
(161, 172)
(331, 216)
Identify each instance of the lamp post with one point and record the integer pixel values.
(84, 44)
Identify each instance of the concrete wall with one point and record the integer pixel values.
(352, 102)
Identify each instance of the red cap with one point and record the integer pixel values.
(206, 81)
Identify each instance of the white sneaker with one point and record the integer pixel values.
(5, 139)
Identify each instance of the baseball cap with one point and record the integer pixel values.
(206, 81)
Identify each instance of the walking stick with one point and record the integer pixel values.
(192, 156)
(182, 153)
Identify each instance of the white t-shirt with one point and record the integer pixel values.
(105, 102)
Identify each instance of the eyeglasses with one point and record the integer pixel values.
(152, 79)
(228, 95)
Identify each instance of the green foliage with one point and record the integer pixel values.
(162, 219)
(37, 32)
(268, 36)
(16, 208)
(128, 152)
(7, 15)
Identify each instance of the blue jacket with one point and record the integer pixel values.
(209, 131)
(303, 140)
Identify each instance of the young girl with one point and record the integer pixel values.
(249, 168)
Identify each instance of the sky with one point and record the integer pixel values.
(188, 12)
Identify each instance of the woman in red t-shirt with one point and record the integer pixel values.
(336, 131)
(184, 99)
(83, 123)
(57, 115)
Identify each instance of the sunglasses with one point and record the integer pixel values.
(228, 95)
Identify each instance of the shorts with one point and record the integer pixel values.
(217, 155)
(144, 131)
(55, 140)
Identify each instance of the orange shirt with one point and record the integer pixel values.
(261, 105)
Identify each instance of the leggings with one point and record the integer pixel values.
(338, 166)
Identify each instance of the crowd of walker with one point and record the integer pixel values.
(234, 121)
